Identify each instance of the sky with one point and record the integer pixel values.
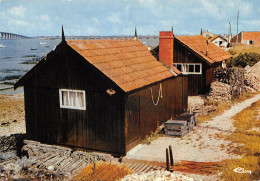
(120, 17)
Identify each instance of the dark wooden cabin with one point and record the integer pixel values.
(193, 56)
(104, 95)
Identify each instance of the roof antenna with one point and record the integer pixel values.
(135, 33)
(201, 31)
(172, 29)
(207, 49)
(62, 35)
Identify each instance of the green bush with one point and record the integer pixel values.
(242, 60)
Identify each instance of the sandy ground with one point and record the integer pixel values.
(204, 144)
(12, 114)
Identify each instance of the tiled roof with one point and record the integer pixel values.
(251, 35)
(215, 37)
(198, 44)
(127, 62)
(212, 38)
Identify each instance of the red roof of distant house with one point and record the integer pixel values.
(251, 35)
(198, 44)
(127, 62)
(255, 36)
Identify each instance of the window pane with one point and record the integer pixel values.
(191, 68)
(72, 99)
(197, 68)
(183, 68)
(80, 101)
(64, 98)
(179, 67)
(186, 68)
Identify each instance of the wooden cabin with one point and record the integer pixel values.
(104, 95)
(194, 56)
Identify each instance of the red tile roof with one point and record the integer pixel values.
(198, 44)
(251, 35)
(127, 62)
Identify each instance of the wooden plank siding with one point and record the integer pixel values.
(99, 127)
(173, 103)
(198, 84)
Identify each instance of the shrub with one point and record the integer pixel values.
(242, 60)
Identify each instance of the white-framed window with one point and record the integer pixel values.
(189, 68)
(72, 99)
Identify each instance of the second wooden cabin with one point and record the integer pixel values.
(194, 56)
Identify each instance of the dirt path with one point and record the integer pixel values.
(204, 144)
(224, 121)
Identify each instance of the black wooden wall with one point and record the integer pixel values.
(99, 127)
(142, 116)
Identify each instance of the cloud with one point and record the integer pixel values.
(255, 22)
(44, 18)
(82, 30)
(18, 11)
(114, 18)
(20, 23)
(145, 2)
(95, 20)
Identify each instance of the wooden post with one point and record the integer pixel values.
(171, 156)
(167, 160)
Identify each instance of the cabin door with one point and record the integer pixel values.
(133, 115)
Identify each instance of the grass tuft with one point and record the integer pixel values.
(153, 136)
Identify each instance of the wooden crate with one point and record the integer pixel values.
(183, 124)
(175, 125)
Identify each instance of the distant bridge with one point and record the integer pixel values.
(7, 36)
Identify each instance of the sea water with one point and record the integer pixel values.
(16, 58)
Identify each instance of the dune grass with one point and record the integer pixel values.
(247, 136)
(237, 49)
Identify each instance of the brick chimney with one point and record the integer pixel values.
(166, 47)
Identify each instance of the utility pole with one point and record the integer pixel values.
(237, 24)
(229, 33)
